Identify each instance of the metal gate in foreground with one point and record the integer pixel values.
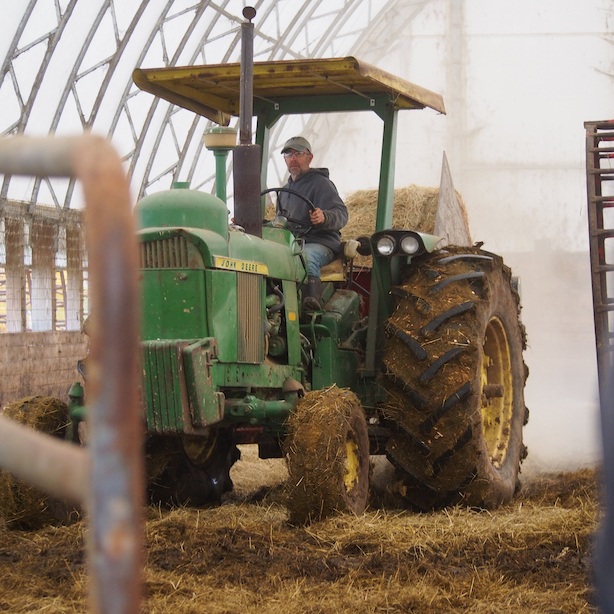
(107, 478)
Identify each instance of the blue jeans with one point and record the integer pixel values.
(317, 256)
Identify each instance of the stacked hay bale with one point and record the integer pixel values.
(415, 208)
(22, 506)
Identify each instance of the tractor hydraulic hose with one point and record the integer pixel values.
(282, 300)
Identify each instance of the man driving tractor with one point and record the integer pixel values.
(323, 240)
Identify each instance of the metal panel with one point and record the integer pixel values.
(174, 304)
(250, 318)
(450, 222)
(207, 404)
(172, 253)
(164, 388)
(164, 254)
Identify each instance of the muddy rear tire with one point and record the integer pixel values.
(454, 369)
(327, 452)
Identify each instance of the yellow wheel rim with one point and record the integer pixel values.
(497, 392)
(352, 463)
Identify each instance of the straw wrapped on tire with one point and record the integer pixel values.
(327, 452)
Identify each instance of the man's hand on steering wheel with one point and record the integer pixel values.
(317, 216)
(301, 227)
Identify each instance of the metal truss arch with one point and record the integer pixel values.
(68, 65)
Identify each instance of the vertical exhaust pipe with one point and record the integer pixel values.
(246, 156)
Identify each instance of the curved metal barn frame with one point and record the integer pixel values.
(67, 68)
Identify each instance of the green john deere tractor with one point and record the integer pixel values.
(418, 357)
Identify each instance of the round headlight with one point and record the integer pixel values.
(385, 245)
(409, 244)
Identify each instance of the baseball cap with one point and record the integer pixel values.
(298, 143)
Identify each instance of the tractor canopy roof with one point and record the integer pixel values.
(286, 87)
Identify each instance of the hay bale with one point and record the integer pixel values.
(415, 208)
(45, 414)
(22, 506)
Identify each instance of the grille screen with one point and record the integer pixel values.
(250, 312)
(165, 254)
(163, 370)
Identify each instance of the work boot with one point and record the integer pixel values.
(311, 293)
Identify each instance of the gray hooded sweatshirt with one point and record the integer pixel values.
(321, 191)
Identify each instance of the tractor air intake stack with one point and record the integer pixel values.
(246, 156)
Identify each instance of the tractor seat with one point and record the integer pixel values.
(335, 271)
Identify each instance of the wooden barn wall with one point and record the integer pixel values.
(42, 363)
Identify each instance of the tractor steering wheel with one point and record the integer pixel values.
(302, 228)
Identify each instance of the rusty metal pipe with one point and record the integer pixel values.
(52, 465)
(116, 486)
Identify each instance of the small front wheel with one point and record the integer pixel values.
(327, 451)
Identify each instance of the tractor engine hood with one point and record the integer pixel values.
(185, 209)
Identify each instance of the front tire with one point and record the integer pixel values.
(454, 369)
(190, 470)
(327, 452)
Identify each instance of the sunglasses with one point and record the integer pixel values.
(299, 154)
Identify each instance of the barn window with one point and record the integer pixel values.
(43, 272)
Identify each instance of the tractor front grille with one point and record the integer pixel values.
(172, 253)
(163, 385)
(249, 312)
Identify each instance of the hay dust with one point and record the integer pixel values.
(243, 557)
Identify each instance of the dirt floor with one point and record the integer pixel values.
(532, 555)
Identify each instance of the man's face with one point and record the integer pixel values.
(297, 162)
